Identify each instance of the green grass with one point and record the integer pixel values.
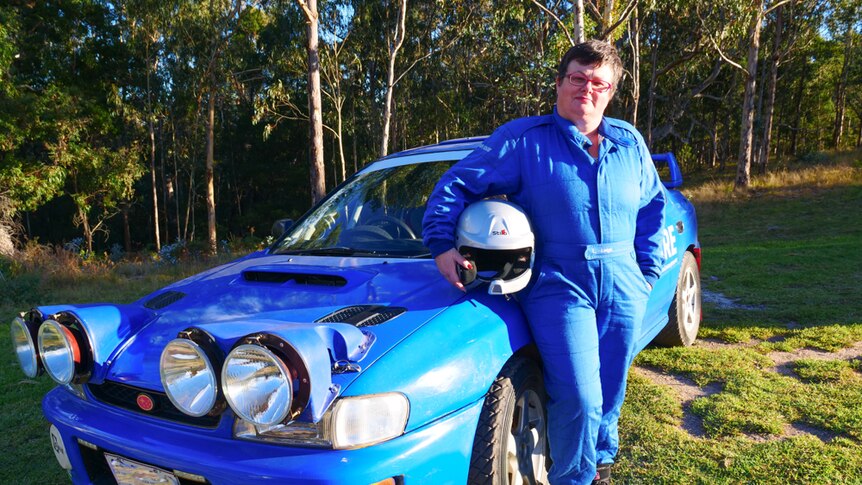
(788, 254)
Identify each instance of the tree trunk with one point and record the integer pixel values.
(768, 111)
(88, 232)
(636, 65)
(841, 88)
(316, 170)
(607, 16)
(210, 188)
(743, 172)
(794, 133)
(353, 133)
(127, 233)
(165, 179)
(176, 179)
(156, 231)
(341, 144)
(651, 93)
(394, 46)
(579, 21)
(190, 206)
(152, 137)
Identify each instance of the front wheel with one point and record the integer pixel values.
(684, 314)
(511, 444)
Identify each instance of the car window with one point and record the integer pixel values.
(376, 213)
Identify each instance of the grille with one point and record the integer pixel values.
(123, 396)
(163, 300)
(363, 315)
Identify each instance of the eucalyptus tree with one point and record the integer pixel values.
(845, 23)
(315, 126)
(681, 75)
(394, 41)
(68, 59)
(143, 23)
(747, 16)
(792, 28)
(28, 175)
(199, 69)
(335, 71)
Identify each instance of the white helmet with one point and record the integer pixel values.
(495, 236)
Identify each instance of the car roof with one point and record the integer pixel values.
(457, 144)
(444, 151)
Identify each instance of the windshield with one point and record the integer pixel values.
(377, 213)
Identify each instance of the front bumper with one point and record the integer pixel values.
(438, 453)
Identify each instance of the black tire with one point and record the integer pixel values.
(513, 422)
(685, 309)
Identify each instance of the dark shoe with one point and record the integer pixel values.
(603, 474)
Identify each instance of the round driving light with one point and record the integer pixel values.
(257, 385)
(59, 351)
(188, 377)
(25, 347)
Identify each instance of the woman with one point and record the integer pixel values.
(594, 199)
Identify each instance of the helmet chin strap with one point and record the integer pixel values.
(507, 268)
(470, 278)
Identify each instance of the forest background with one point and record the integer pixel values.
(126, 126)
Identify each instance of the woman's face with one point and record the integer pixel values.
(588, 101)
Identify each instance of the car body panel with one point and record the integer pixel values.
(438, 453)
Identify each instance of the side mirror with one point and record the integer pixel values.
(281, 226)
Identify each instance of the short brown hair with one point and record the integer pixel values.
(593, 53)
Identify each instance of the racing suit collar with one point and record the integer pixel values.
(608, 131)
(570, 130)
(616, 135)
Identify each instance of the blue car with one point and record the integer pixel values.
(337, 355)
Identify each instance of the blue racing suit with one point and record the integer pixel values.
(597, 224)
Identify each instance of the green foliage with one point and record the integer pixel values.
(83, 83)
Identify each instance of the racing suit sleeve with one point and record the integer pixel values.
(650, 218)
(491, 169)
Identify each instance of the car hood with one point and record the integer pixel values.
(271, 293)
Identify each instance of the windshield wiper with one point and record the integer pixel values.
(329, 251)
(419, 256)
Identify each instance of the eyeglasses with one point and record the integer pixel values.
(578, 80)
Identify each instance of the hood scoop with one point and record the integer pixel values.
(363, 315)
(163, 300)
(280, 277)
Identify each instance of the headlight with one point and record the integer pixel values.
(257, 384)
(366, 420)
(25, 347)
(59, 350)
(355, 422)
(188, 377)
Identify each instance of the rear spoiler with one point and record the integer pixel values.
(674, 179)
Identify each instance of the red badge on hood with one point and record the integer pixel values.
(145, 402)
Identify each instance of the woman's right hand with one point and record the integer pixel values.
(447, 264)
